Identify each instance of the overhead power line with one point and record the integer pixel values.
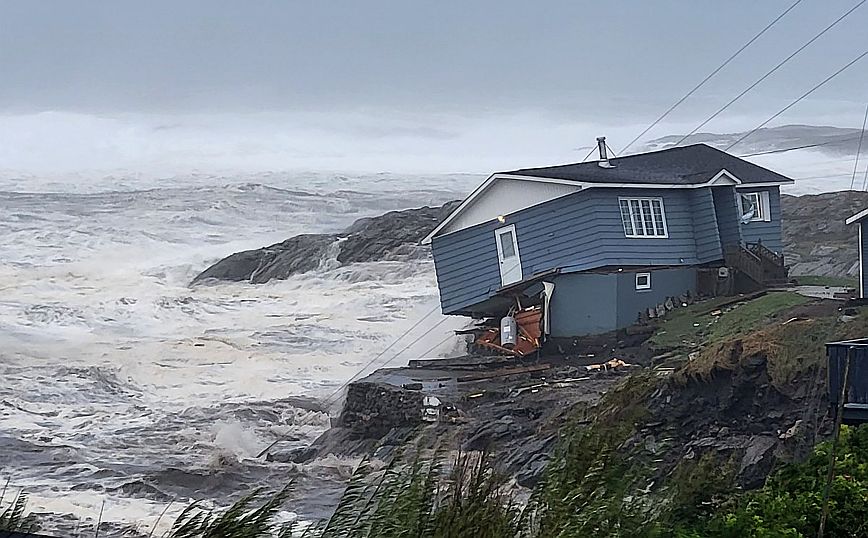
(859, 149)
(330, 398)
(770, 72)
(710, 75)
(806, 146)
(807, 93)
(865, 179)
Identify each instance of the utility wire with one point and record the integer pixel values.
(408, 346)
(329, 399)
(710, 75)
(807, 93)
(438, 344)
(859, 149)
(770, 72)
(806, 146)
(865, 180)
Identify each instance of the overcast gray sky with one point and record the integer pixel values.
(615, 63)
(591, 57)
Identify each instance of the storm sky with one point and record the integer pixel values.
(429, 67)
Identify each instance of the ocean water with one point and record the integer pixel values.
(124, 389)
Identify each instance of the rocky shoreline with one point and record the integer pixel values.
(816, 242)
(517, 407)
(392, 236)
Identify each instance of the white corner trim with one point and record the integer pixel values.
(724, 178)
(858, 216)
(861, 258)
(539, 179)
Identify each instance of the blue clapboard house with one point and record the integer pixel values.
(598, 243)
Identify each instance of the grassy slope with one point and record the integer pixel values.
(695, 325)
(811, 280)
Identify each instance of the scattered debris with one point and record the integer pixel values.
(503, 372)
(613, 364)
(529, 323)
(430, 409)
(531, 388)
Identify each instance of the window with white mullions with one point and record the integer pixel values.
(643, 217)
(754, 206)
(625, 218)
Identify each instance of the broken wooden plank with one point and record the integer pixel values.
(460, 363)
(503, 372)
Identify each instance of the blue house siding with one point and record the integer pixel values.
(706, 234)
(767, 232)
(726, 208)
(467, 266)
(590, 303)
(576, 289)
(579, 231)
(664, 283)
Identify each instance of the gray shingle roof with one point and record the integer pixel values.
(685, 165)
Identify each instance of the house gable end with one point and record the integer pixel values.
(499, 196)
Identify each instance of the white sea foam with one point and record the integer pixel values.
(123, 384)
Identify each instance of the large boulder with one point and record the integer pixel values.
(394, 235)
(816, 240)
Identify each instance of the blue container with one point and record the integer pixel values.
(856, 402)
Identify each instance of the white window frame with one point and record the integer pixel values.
(646, 285)
(763, 213)
(642, 221)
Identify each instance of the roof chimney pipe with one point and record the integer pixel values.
(604, 157)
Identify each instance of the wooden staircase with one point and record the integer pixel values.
(758, 263)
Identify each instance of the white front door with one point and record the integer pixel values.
(507, 254)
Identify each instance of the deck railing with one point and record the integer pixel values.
(758, 262)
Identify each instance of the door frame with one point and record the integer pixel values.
(498, 240)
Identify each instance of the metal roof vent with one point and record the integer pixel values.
(604, 158)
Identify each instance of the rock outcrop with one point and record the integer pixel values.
(394, 235)
(816, 240)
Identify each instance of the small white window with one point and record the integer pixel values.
(643, 281)
(643, 217)
(754, 206)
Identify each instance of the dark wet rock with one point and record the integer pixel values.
(393, 235)
(139, 488)
(302, 454)
(373, 408)
(757, 461)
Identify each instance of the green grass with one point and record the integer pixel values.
(790, 503)
(690, 327)
(812, 280)
(14, 516)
